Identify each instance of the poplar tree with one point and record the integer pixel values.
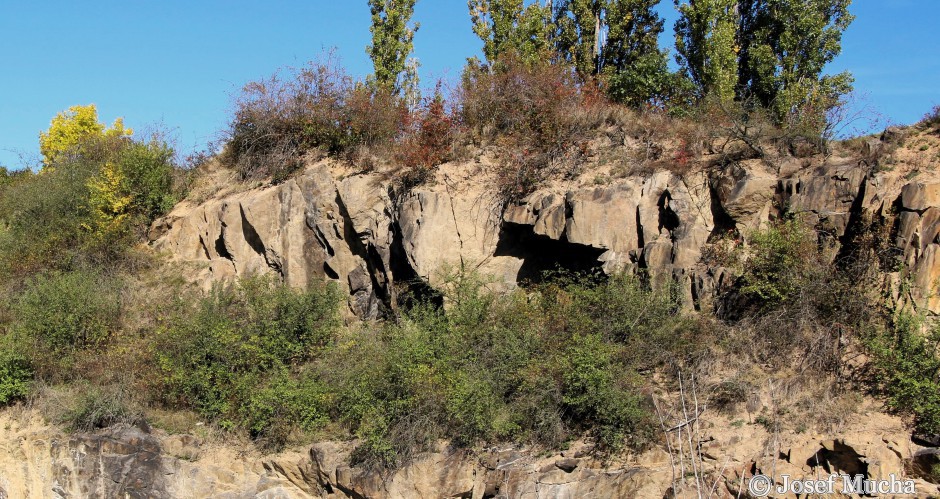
(635, 68)
(707, 45)
(511, 25)
(392, 43)
(786, 44)
(616, 40)
(578, 39)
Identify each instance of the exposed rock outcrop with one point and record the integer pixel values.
(311, 227)
(349, 229)
(37, 461)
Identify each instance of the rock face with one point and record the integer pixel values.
(355, 231)
(310, 227)
(40, 462)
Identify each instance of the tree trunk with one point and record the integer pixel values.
(597, 40)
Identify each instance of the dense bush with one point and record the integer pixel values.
(908, 369)
(233, 356)
(515, 367)
(61, 316)
(796, 295)
(283, 404)
(87, 407)
(66, 237)
(147, 169)
(8, 177)
(133, 186)
(780, 258)
(15, 372)
(42, 220)
(84, 209)
(276, 119)
(429, 139)
(319, 106)
(538, 112)
(539, 115)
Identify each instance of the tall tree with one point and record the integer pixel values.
(615, 39)
(392, 43)
(631, 61)
(786, 44)
(506, 25)
(707, 45)
(580, 24)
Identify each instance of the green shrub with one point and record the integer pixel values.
(284, 404)
(623, 310)
(231, 357)
(8, 177)
(15, 372)
(376, 448)
(599, 393)
(83, 208)
(148, 172)
(795, 299)
(519, 367)
(61, 314)
(780, 260)
(42, 218)
(908, 369)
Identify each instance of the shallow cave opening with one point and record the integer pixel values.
(542, 256)
(925, 465)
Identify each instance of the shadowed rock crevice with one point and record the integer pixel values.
(250, 234)
(856, 225)
(924, 464)
(220, 248)
(408, 288)
(370, 293)
(668, 219)
(723, 222)
(837, 457)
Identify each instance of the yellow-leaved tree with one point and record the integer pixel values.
(75, 128)
(109, 202)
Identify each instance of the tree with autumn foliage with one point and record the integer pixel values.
(74, 129)
(130, 181)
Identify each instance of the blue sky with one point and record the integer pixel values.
(175, 64)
